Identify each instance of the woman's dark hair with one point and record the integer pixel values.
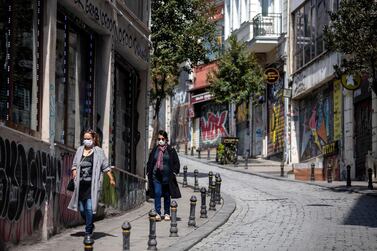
(94, 136)
(163, 133)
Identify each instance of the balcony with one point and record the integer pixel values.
(266, 32)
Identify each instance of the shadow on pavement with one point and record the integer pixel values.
(96, 235)
(363, 213)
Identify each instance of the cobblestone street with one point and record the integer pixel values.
(281, 215)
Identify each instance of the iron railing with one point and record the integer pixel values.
(269, 25)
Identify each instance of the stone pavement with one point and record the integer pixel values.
(271, 169)
(108, 233)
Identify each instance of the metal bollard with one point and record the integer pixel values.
(184, 184)
(217, 194)
(329, 173)
(88, 243)
(173, 223)
(198, 153)
(312, 177)
(212, 203)
(209, 153)
(282, 169)
(192, 151)
(186, 149)
(210, 177)
(191, 221)
(246, 161)
(196, 184)
(152, 242)
(348, 175)
(126, 229)
(370, 184)
(203, 210)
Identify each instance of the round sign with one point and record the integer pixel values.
(272, 75)
(351, 82)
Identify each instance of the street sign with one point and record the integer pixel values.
(287, 93)
(272, 75)
(351, 82)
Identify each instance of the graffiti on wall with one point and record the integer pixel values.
(316, 123)
(213, 124)
(275, 118)
(179, 125)
(29, 178)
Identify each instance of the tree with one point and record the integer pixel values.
(353, 32)
(238, 76)
(182, 31)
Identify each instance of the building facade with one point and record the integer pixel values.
(68, 66)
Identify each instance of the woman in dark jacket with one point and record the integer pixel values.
(162, 167)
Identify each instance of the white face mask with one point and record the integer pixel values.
(88, 142)
(161, 142)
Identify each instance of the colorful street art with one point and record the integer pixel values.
(213, 124)
(275, 118)
(316, 123)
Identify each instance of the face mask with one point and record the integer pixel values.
(161, 142)
(88, 142)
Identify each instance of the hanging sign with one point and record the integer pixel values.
(272, 75)
(351, 82)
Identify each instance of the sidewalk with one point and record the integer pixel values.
(108, 233)
(271, 170)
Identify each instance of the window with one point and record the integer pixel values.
(20, 43)
(74, 80)
(308, 21)
(136, 6)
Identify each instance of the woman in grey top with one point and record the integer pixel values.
(88, 165)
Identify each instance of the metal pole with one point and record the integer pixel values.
(210, 177)
(203, 211)
(152, 242)
(282, 168)
(312, 176)
(209, 153)
(126, 229)
(184, 184)
(198, 153)
(212, 203)
(191, 221)
(173, 223)
(370, 184)
(192, 151)
(348, 175)
(329, 173)
(218, 185)
(88, 243)
(196, 184)
(246, 161)
(186, 150)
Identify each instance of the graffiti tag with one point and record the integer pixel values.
(214, 127)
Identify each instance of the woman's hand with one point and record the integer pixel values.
(112, 182)
(74, 173)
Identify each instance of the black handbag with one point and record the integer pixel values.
(71, 185)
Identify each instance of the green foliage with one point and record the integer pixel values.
(182, 31)
(353, 31)
(220, 153)
(239, 75)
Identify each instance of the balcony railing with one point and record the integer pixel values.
(269, 25)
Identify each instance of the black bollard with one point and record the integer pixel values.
(329, 173)
(370, 184)
(186, 150)
(210, 177)
(212, 203)
(126, 229)
(348, 176)
(192, 151)
(152, 242)
(203, 210)
(209, 153)
(173, 223)
(246, 161)
(312, 177)
(282, 169)
(191, 221)
(184, 184)
(88, 243)
(198, 153)
(218, 186)
(196, 184)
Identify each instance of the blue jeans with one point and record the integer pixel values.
(161, 190)
(86, 211)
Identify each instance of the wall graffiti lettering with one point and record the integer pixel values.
(213, 127)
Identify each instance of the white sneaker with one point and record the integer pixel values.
(167, 217)
(158, 217)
